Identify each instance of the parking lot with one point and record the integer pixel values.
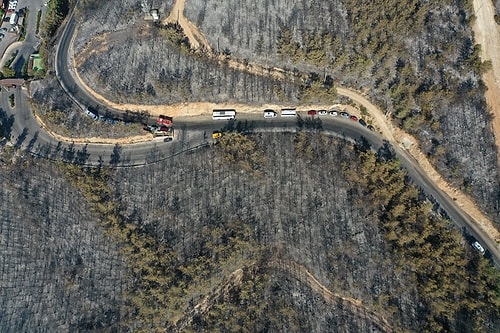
(9, 34)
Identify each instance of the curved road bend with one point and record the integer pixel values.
(73, 89)
(200, 129)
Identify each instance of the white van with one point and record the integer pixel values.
(268, 113)
(288, 113)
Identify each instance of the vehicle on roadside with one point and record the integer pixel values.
(165, 129)
(371, 128)
(353, 118)
(164, 120)
(3, 30)
(150, 128)
(322, 112)
(333, 113)
(224, 114)
(162, 134)
(478, 247)
(344, 114)
(362, 122)
(269, 113)
(288, 113)
(312, 112)
(91, 114)
(216, 135)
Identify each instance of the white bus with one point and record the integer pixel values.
(288, 113)
(225, 114)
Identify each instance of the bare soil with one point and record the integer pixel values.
(487, 33)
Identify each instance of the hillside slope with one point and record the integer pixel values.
(277, 232)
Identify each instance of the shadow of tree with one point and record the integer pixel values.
(7, 122)
(115, 155)
(56, 150)
(32, 142)
(82, 156)
(69, 153)
(20, 139)
(386, 152)
(154, 155)
(362, 145)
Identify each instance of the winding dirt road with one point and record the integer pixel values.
(301, 274)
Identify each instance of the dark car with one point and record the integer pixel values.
(165, 129)
(312, 112)
(362, 122)
(150, 128)
(344, 114)
(371, 128)
(353, 118)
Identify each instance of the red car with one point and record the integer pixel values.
(164, 120)
(353, 118)
(312, 112)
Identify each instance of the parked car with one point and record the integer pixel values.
(268, 113)
(312, 112)
(353, 118)
(362, 122)
(478, 247)
(216, 135)
(371, 128)
(150, 128)
(165, 129)
(333, 113)
(323, 112)
(91, 114)
(344, 114)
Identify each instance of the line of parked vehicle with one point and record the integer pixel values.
(270, 113)
(104, 119)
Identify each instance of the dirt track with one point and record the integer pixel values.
(196, 38)
(487, 33)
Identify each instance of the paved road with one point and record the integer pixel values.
(65, 75)
(25, 132)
